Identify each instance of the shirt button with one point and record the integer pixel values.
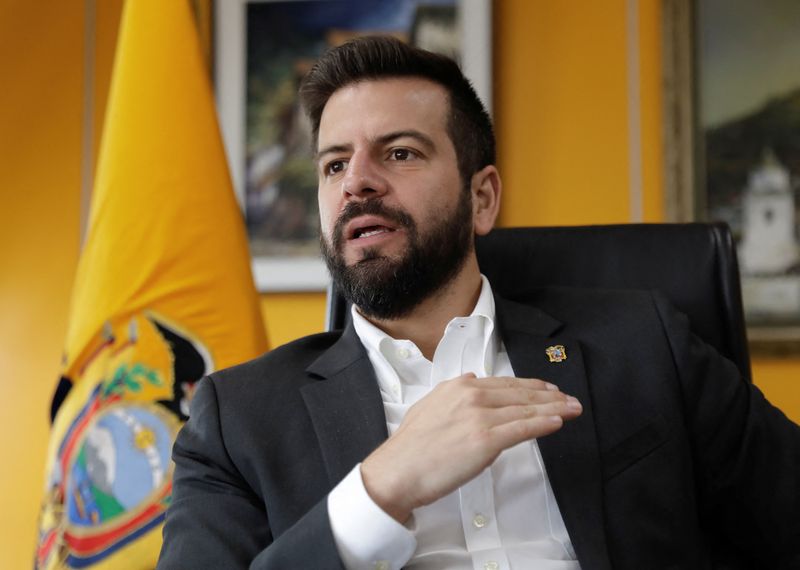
(479, 521)
(491, 565)
(381, 565)
(403, 353)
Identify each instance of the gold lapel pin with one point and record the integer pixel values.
(556, 353)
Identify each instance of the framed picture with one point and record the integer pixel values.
(733, 146)
(263, 49)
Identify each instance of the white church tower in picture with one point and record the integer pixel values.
(769, 242)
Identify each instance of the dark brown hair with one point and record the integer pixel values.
(381, 57)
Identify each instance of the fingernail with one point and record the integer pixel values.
(573, 403)
(550, 386)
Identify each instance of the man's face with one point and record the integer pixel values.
(396, 220)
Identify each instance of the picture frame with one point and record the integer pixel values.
(263, 130)
(732, 147)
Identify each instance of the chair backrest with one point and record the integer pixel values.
(693, 265)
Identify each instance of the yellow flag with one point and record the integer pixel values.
(163, 295)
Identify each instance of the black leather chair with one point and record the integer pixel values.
(693, 265)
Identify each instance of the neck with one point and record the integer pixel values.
(426, 323)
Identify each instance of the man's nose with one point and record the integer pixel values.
(363, 179)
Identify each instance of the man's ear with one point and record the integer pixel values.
(486, 188)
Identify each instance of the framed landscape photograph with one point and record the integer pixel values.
(741, 160)
(263, 49)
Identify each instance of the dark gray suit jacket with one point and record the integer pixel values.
(675, 461)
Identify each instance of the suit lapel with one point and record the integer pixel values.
(571, 454)
(345, 405)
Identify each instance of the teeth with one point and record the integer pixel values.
(373, 232)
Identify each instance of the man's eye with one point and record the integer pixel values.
(402, 154)
(335, 167)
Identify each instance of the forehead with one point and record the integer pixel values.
(368, 109)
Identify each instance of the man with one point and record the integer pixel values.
(630, 445)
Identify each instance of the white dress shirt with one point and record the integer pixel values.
(505, 518)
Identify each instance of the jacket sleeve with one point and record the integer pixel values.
(746, 451)
(217, 521)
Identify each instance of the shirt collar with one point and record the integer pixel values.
(372, 337)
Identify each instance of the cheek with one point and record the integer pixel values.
(327, 217)
(443, 196)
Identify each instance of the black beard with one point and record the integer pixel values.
(386, 288)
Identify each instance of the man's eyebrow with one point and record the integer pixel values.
(419, 136)
(410, 133)
(334, 148)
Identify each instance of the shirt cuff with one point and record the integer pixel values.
(366, 537)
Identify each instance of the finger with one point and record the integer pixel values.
(509, 434)
(567, 409)
(517, 396)
(499, 382)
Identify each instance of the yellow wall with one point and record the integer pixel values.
(585, 156)
(780, 382)
(561, 96)
(40, 152)
(562, 122)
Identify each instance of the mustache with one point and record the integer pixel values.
(374, 207)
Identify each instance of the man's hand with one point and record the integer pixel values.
(455, 432)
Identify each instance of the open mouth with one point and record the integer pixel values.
(369, 226)
(369, 231)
